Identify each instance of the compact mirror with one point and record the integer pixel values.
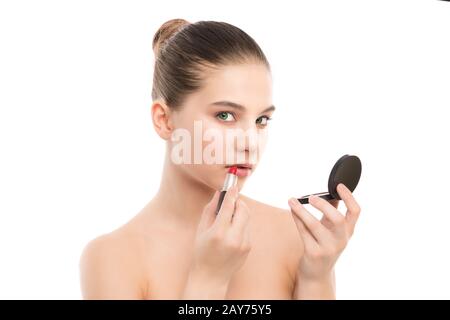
(347, 170)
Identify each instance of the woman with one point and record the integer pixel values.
(214, 75)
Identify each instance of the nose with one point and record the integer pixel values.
(252, 141)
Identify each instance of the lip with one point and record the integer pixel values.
(243, 170)
(241, 166)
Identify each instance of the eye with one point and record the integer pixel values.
(263, 120)
(225, 116)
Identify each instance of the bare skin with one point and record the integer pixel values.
(154, 257)
(263, 255)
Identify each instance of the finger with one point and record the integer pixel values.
(326, 222)
(308, 239)
(314, 226)
(240, 220)
(227, 208)
(333, 215)
(209, 214)
(353, 208)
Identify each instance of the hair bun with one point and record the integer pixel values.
(165, 31)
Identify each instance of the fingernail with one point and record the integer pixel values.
(312, 199)
(292, 201)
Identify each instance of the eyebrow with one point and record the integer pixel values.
(238, 106)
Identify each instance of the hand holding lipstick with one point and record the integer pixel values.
(221, 246)
(324, 240)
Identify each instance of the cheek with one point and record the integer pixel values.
(195, 127)
(185, 122)
(188, 117)
(213, 133)
(207, 174)
(262, 138)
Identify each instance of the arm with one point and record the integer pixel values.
(201, 287)
(317, 289)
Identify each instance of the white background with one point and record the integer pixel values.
(79, 156)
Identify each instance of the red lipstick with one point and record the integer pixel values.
(243, 170)
(230, 180)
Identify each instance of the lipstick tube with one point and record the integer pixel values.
(230, 180)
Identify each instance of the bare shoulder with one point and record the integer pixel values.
(110, 267)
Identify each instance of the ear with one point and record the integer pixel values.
(161, 117)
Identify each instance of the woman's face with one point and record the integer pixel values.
(223, 123)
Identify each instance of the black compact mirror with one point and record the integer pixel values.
(347, 170)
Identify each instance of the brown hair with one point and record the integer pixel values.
(183, 51)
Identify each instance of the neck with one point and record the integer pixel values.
(180, 197)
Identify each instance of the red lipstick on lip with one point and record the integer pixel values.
(230, 180)
(243, 170)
